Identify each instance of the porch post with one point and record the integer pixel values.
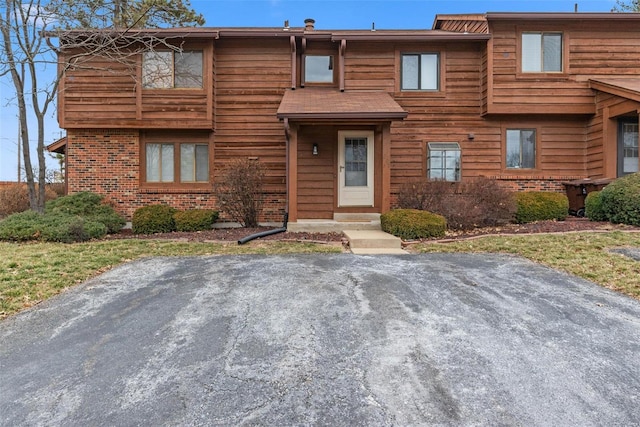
(386, 167)
(292, 179)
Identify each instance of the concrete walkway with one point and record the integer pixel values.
(373, 242)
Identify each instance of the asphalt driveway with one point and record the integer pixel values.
(325, 340)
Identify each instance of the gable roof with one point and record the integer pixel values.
(462, 23)
(625, 87)
(312, 103)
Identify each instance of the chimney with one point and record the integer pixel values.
(308, 24)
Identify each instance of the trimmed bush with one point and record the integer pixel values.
(621, 200)
(154, 219)
(413, 224)
(593, 207)
(480, 202)
(89, 206)
(195, 219)
(540, 206)
(15, 198)
(64, 228)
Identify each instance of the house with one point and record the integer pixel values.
(342, 118)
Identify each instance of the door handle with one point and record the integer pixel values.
(341, 168)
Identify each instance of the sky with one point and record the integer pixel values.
(328, 14)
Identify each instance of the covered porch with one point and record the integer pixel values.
(338, 157)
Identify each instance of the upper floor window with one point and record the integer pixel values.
(169, 69)
(318, 69)
(443, 161)
(521, 149)
(541, 52)
(420, 71)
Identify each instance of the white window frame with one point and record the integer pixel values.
(444, 148)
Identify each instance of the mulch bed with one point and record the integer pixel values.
(572, 224)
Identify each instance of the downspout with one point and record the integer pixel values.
(286, 183)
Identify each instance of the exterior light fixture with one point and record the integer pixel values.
(314, 151)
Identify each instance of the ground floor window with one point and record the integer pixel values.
(443, 161)
(176, 162)
(521, 149)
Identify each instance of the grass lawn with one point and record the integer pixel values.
(33, 272)
(582, 254)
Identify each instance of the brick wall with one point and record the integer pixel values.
(107, 162)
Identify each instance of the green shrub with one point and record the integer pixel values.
(21, 226)
(195, 219)
(593, 207)
(413, 224)
(89, 206)
(541, 205)
(154, 219)
(621, 200)
(479, 202)
(66, 228)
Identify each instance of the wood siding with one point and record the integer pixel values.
(108, 94)
(250, 79)
(602, 134)
(592, 49)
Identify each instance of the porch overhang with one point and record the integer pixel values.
(628, 88)
(329, 104)
(58, 146)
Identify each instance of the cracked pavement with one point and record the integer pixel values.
(446, 339)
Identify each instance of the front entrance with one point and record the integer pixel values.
(355, 168)
(628, 161)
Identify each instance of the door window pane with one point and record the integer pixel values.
(630, 148)
(355, 155)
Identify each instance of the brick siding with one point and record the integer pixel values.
(107, 162)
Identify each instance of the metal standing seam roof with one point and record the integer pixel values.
(311, 103)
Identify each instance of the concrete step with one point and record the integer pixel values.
(331, 226)
(372, 239)
(378, 251)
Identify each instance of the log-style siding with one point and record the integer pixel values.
(98, 92)
(591, 49)
(250, 79)
(482, 94)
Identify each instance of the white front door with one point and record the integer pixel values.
(355, 168)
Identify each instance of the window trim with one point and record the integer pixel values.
(419, 55)
(537, 155)
(303, 69)
(196, 48)
(177, 139)
(524, 75)
(412, 93)
(434, 145)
